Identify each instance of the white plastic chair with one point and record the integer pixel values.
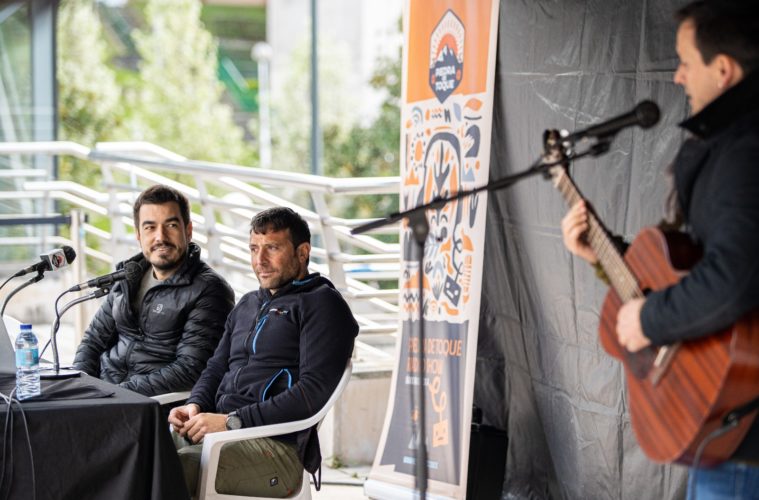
(212, 443)
(171, 397)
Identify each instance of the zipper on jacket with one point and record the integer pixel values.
(257, 328)
(260, 322)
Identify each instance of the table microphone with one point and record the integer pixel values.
(131, 271)
(51, 261)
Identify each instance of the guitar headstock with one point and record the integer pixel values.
(554, 151)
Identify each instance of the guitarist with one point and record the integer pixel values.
(716, 174)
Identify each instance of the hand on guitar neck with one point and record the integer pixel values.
(574, 228)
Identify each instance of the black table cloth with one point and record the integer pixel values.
(98, 442)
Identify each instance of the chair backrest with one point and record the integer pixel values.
(212, 444)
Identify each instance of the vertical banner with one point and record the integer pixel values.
(446, 120)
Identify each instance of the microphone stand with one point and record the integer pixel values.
(57, 371)
(35, 279)
(558, 151)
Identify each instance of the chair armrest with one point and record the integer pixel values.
(171, 397)
(213, 443)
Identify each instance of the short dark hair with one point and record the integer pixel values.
(158, 195)
(279, 218)
(729, 27)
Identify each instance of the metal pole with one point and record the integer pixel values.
(261, 53)
(79, 268)
(315, 129)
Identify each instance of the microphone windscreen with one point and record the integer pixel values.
(647, 113)
(133, 271)
(69, 253)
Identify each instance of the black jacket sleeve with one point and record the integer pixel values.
(200, 336)
(204, 391)
(99, 336)
(724, 285)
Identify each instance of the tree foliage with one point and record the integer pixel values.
(291, 106)
(173, 100)
(176, 101)
(350, 148)
(371, 150)
(88, 95)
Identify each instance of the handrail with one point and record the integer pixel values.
(224, 198)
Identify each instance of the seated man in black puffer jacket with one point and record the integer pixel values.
(155, 334)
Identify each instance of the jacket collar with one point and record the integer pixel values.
(726, 109)
(296, 286)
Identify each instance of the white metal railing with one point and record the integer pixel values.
(224, 197)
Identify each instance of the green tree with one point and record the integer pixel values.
(371, 150)
(88, 94)
(350, 149)
(176, 100)
(291, 106)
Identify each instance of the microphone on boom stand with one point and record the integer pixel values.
(50, 261)
(103, 285)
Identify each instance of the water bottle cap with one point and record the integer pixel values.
(26, 326)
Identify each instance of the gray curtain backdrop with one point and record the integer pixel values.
(541, 373)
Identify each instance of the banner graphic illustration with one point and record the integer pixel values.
(447, 107)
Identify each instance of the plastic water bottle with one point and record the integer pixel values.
(27, 364)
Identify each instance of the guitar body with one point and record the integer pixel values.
(675, 407)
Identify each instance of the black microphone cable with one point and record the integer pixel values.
(40, 275)
(9, 433)
(729, 422)
(6, 281)
(100, 292)
(56, 323)
(7, 442)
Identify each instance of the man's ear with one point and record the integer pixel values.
(729, 72)
(188, 231)
(303, 251)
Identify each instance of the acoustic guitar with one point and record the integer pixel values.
(678, 394)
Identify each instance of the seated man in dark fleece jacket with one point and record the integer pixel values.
(284, 349)
(155, 333)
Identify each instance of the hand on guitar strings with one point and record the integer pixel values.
(629, 330)
(574, 228)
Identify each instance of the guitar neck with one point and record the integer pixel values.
(609, 256)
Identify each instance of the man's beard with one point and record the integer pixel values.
(165, 263)
(283, 279)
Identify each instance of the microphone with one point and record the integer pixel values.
(51, 261)
(645, 115)
(131, 271)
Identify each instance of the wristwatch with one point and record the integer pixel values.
(234, 421)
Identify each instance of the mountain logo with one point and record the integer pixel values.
(446, 55)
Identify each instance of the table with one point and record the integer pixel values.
(91, 447)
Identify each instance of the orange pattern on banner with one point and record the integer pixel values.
(468, 245)
(424, 16)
